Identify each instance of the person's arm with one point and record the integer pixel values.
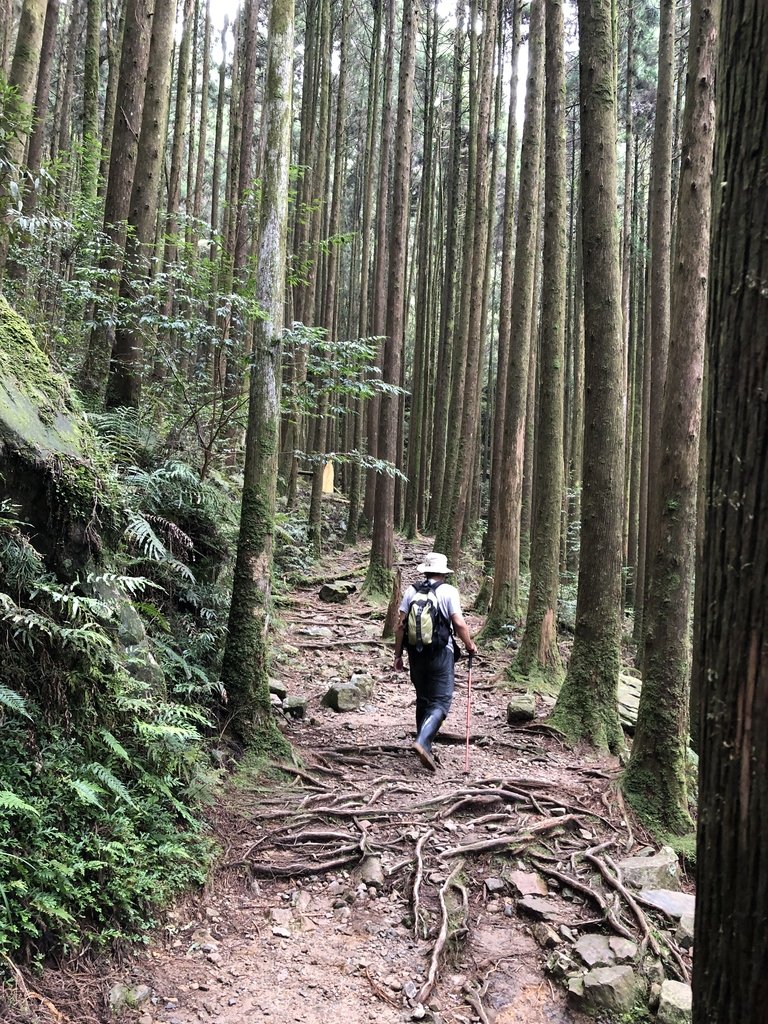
(399, 640)
(461, 630)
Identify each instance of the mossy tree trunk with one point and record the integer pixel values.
(89, 172)
(245, 666)
(24, 69)
(587, 705)
(538, 649)
(505, 605)
(730, 972)
(655, 780)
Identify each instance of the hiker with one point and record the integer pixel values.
(429, 617)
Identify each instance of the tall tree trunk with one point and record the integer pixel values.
(124, 385)
(246, 657)
(125, 144)
(378, 578)
(115, 23)
(587, 706)
(505, 605)
(24, 71)
(89, 174)
(40, 107)
(469, 413)
(538, 650)
(730, 972)
(505, 308)
(363, 318)
(655, 779)
(660, 258)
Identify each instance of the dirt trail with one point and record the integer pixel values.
(323, 948)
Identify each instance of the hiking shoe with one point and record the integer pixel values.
(424, 756)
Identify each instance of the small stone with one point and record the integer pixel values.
(144, 1019)
(566, 933)
(118, 997)
(672, 903)
(372, 873)
(494, 885)
(660, 871)
(494, 906)
(278, 689)
(528, 883)
(138, 995)
(295, 706)
(363, 682)
(275, 701)
(410, 990)
(684, 933)
(282, 933)
(558, 812)
(281, 916)
(320, 632)
(612, 988)
(521, 708)
(393, 982)
(545, 936)
(675, 1003)
(419, 1012)
(343, 697)
(212, 914)
(576, 986)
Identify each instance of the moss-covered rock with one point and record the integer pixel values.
(51, 465)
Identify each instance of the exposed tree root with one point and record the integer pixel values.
(442, 937)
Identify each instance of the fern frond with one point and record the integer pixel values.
(87, 792)
(14, 701)
(115, 746)
(111, 781)
(10, 802)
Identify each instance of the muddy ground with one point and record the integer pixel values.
(287, 930)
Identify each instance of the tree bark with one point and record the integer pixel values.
(655, 779)
(730, 972)
(245, 666)
(538, 649)
(587, 705)
(505, 604)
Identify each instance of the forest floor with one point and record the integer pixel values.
(287, 931)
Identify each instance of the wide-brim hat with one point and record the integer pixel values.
(435, 565)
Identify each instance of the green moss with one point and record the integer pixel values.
(587, 707)
(547, 681)
(658, 795)
(378, 582)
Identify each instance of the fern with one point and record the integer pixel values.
(106, 777)
(10, 802)
(87, 792)
(12, 700)
(115, 746)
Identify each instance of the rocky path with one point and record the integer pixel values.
(358, 887)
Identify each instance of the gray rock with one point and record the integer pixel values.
(363, 682)
(684, 933)
(138, 995)
(343, 697)
(334, 593)
(576, 987)
(494, 885)
(295, 706)
(546, 936)
(623, 950)
(410, 990)
(320, 632)
(595, 950)
(371, 872)
(278, 689)
(612, 988)
(674, 904)
(521, 708)
(541, 909)
(275, 701)
(118, 997)
(661, 871)
(528, 883)
(675, 1003)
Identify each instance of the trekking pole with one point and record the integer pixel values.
(469, 714)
